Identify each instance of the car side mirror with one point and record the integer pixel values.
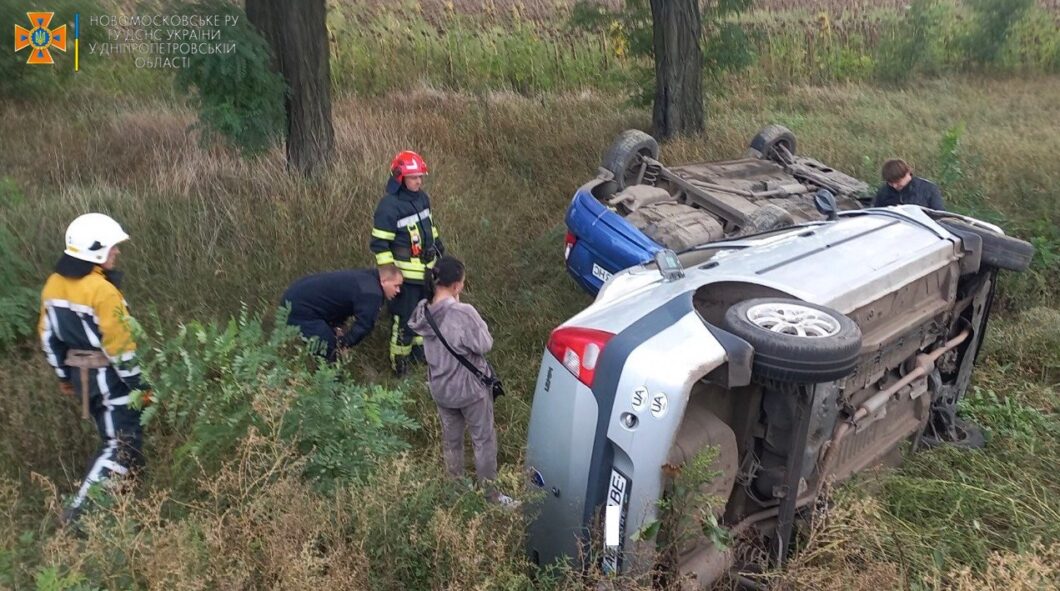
(669, 265)
(825, 203)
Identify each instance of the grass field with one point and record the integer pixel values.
(212, 233)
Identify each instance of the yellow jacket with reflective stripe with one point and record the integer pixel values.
(88, 313)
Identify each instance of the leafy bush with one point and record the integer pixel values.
(992, 24)
(687, 513)
(951, 165)
(1034, 44)
(913, 46)
(238, 96)
(726, 46)
(18, 303)
(21, 81)
(214, 384)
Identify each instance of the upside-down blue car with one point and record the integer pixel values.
(636, 206)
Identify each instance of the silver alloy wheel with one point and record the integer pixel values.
(793, 319)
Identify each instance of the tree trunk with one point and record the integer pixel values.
(678, 67)
(296, 31)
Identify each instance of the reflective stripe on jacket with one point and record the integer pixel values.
(89, 313)
(403, 231)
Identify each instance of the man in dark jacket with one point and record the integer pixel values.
(900, 187)
(404, 235)
(321, 304)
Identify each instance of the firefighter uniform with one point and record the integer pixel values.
(86, 338)
(404, 235)
(84, 315)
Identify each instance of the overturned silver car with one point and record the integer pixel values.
(796, 357)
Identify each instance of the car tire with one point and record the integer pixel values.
(769, 217)
(828, 349)
(1003, 252)
(769, 137)
(623, 157)
(970, 436)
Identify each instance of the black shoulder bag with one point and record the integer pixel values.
(494, 383)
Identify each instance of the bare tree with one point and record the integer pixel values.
(296, 31)
(676, 28)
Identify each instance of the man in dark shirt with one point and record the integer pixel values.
(900, 187)
(322, 303)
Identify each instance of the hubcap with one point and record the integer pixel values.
(793, 319)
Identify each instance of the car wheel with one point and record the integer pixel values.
(969, 436)
(763, 145)
(623, 157)
(796, 341)
(1003, 252)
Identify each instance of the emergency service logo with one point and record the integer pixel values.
(40, 38)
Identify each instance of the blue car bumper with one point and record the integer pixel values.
(604, 242)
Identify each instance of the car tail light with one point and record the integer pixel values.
(579, 350)
(569, 244)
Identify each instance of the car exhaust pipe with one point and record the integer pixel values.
(924, 364)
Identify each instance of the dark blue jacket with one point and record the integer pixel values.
(918, 191)
(403, 219)
(336, 296)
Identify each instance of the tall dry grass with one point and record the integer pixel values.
(211, 231)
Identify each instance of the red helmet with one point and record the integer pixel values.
(407, 163)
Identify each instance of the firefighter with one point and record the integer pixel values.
(404, 235)
(86, 338)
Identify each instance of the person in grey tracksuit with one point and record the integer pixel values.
(463, 400)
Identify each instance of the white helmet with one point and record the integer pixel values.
(91, 236)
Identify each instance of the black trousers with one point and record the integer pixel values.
(402, 339)
(316, 328)
(122, 438)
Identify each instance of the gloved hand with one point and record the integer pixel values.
(147, 398)
(66, 388)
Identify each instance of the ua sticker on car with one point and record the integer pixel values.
(640, 398)
(659, 405)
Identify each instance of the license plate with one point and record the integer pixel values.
(615, 521)
(601, 273)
